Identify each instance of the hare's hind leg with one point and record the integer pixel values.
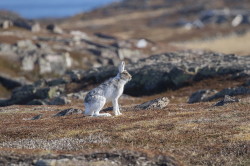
(88, 111)
(97, 105)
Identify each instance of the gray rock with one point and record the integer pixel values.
(37, 117)
(35, 27)
(6, 24)
(69, 111)
(230, 92)
(47, 92)
(28, 62)
(237, 20)
(172, 70)
(243, 74)
(6, 48)
(57, 81)
(54, 28)
(22, 23)
(32, 55)
(201, 95)
(75, 75)
(45, 162)
(104, 36)
(128, 53)
(27, 44)
(28, 93)
(158, 103)
(11, 83)
(59, 101)
(37, 102)
(227, 99)
(44, 66)
(54, 62)
(78, 95)
(123, 44)
(95, 45)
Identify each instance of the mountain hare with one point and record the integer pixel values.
(110, 90)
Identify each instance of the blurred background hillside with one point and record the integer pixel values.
(51, 9)
(45, 39)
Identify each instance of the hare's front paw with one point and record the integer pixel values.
(118, 114)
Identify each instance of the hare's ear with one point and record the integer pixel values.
(121, 67)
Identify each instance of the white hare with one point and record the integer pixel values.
(110, 90)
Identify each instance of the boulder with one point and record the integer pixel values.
(56, 81)
(28, 62)
(54, 28)
(104, 36)
(37, 102)
(26, 44)
(151, 75)
(122, 44)
(6, 24)
(61, 100)
(237, 20)
(159, 103)
(201, 95)
(78, 95)
(32, 95)
(75, 75)
(44, 66)
(69, 111)
(78, 35)
(31, 55)
(57, 63)
(227, 99)
(158, 73)
(35, 27)
(27, 24)
(11, 83)
(133, 55)
(230, 92)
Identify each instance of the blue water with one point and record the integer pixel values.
(51, 8)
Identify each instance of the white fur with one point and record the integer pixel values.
(110, 90)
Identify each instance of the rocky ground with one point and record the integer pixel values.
(188, 102)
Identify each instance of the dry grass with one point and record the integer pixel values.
(232, 44)
(196, 134)
(117, 19)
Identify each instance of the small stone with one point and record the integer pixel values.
(69, 111)
(142, 43)
(237, 20)
(37, 117)
(227, 99)
(158, 103)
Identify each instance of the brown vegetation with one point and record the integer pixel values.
(196, 134)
